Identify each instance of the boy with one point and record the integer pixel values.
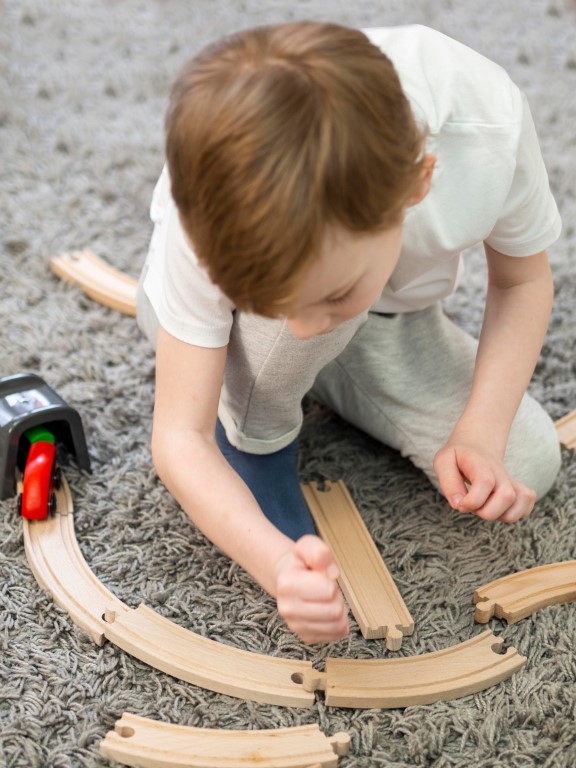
(320, 186)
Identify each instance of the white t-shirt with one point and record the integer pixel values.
(489, 184)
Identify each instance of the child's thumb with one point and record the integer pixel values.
(317, 556)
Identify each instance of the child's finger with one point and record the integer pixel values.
(306, 586)
(449, 476)
(314, 632)
(509, 503)
(520, 510)
(480, 489)
(317, 555)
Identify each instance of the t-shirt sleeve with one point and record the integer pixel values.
(529, 221)
(187, 303)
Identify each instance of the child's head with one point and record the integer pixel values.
(275, 134)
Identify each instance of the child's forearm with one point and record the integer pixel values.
(220, 504)
(301, 575)
(517, 313)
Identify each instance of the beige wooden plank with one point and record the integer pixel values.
(97, 279)
(60, 568)
(365, 580)
(518, 595)
(146, 743)
(186, 655)
(451, 673)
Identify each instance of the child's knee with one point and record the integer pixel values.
(550, 460)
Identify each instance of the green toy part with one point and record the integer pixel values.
(39, 434)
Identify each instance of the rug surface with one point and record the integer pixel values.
(83, 89)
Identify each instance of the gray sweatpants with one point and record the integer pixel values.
(403, 379)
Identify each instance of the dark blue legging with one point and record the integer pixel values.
(273, 479)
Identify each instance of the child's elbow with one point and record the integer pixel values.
(159, 448)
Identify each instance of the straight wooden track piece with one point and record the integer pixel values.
(566, 428)
(365, 580)
(458, 671)
(60, 568)
(518, 595)
(139, 741)
(97, 279)
(188, 656)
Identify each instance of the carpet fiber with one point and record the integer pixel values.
(83, 89)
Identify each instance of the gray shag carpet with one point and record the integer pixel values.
(83, 89)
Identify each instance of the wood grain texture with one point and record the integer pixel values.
(57, 563)
(448, 674)
(97, 279)
(59, 567)
(518, 595)
(365, 580)
(146, 743)
(179, 652)
(566, 428)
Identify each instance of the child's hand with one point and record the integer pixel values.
(308, 596)
(474, 481)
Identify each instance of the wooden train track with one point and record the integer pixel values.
(55, 560)
(97, 279)
(461, 670)
(518, 595)
(59, 567)
(183, 654)
(567, 430)
(139, 741)
(57, 563)
(365, 580)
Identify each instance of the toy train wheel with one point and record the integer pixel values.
(52, 504)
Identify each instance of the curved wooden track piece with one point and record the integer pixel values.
(60, 568)
(138, 741)
(365, 580)
(97, 279)
(448, 674)
(179, 652)
(518, 595)
(566, 428)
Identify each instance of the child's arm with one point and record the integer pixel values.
(518, 306)
(302, 575)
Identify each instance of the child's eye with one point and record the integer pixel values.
(341, 299)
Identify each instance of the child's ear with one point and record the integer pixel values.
(425, 179)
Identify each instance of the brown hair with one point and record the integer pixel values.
(274, 133)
